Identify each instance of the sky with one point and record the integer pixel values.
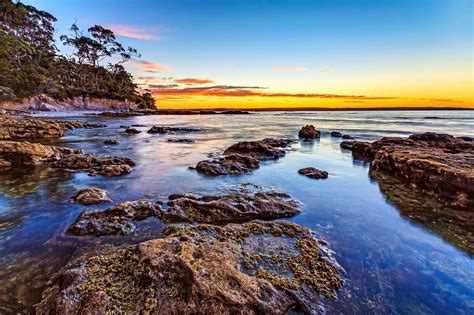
(275, 54)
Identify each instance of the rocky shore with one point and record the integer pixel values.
(226, 253)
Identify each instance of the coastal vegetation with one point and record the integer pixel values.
(31, 64)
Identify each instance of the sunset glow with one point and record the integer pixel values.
(293, 54)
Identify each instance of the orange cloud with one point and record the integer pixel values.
(243, 91)
(193, 81)
(149, 66)
(131, 31)
(289, 68)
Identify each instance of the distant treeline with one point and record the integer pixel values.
(30, 63)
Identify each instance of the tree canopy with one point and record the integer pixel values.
(30, 62)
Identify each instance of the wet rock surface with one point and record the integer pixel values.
(314, 173)
(309, 132)
(117, 220)
(255, 268)
(244, 156)
(132, 131)
(229, 208)
(186, 141)
(437, 164)
(112, 141)
(91, 196)
(15, 128)
(219, 209)
(26, 154)
(162, 129)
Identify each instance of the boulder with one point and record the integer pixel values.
(336, 134)
(132, 131)
(244, 156)
(181, 140)
(91, 196)
(111, 170)
(255, 268)
(161, 129)
(314, 173)
(309, 132)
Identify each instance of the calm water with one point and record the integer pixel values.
(392, 264)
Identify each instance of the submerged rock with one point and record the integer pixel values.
(314, 173)
(255, 268)
(21, 154)
(244, 156)
(438, 164)
(117, 220)
(336, 134)
(132, 131)
(187, 141)
(112, 141)
(309, 132)
(91, 196)
(13, 128)
(161, 129)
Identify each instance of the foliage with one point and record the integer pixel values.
(30, 63)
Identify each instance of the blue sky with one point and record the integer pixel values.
(412, 49)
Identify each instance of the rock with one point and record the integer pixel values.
(138, 125)
(229, 208)
(227, 165)
(438, 164)
(21, 154)
(111, 170)
(91, 196)
(347, 137)
(26, 154)
(112, 141)
(181, 140)
(160, 129)
(12, 128)
(132, 131)
(314, 173)
(124, 126)
(309, 132)
(117, 220)
(244, 156)
(255, 268)
(336, 134)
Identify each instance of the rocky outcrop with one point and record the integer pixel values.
(161, 129)
(244, 156)
(438, 164)
(227, 165)
(91, 196)
(111, 141)
(314, 173)
(220, 209)
(229, 208)
(13, 128)
(337, 134)
(26, 154)
(132, 131)
(255, 268)
(309, 132)
(117, 220)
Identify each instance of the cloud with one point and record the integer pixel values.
(289, 68)
(149, 66)
(132, 31)
(325, 70)
(193, 81)
(253, 91)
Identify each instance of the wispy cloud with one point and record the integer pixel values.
(190, 81)
(325, 70)
(289, 68)
(149, 66)
(132, 31)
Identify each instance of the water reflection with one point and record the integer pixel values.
(392, 264)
